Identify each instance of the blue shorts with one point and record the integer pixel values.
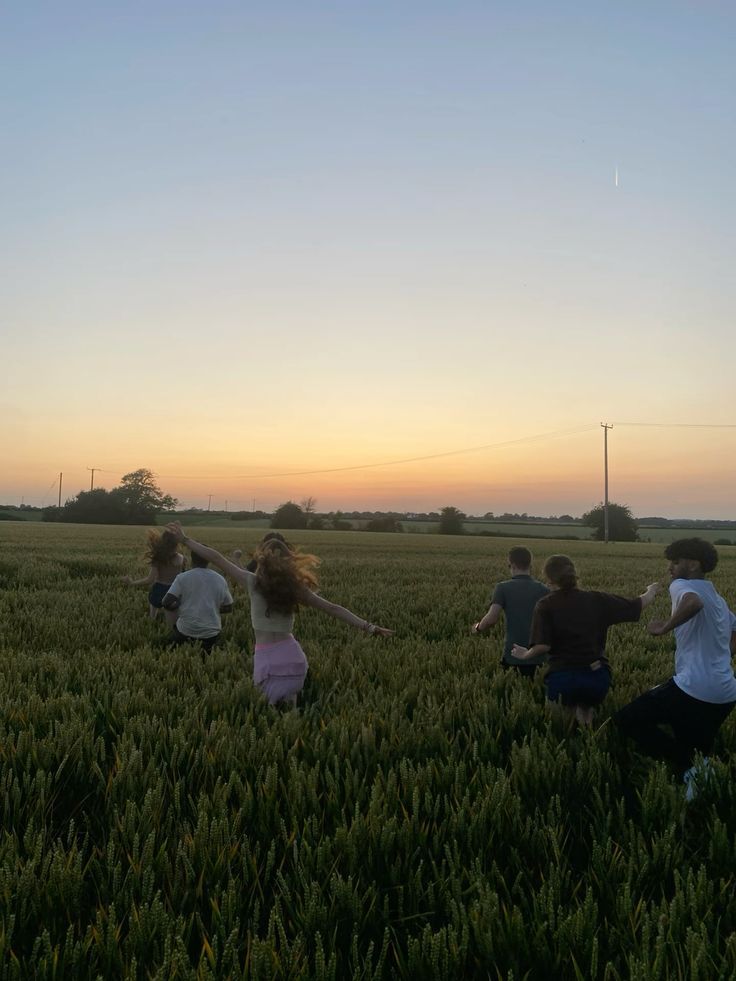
(578, 687)
(157, 593)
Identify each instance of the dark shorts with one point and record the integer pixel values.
(525, 670)
(206, 643)
(578, 687)
(157, 593)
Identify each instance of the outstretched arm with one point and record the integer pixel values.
(308, 598)
(649, 594)
(211, 554)
(148, 580)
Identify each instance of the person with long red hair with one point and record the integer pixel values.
(283, 580)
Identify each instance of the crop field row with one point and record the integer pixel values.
(423, 815)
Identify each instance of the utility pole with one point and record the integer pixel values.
(209, 502)
(606, 427)
(60, 476)
(92, 481)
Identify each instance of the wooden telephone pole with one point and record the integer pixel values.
(606, 427)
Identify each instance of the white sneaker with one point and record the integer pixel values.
(697, 777)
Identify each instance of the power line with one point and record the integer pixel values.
(390, 463)
(682, 425)
(539, 437)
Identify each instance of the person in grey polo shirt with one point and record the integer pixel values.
(515, 598)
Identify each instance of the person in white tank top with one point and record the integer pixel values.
(283, 580)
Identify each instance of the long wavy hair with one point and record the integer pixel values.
(281, 572)
(161, 548)
(560, 571)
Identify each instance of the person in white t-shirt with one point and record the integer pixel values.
(199, 597)
(284, 579)
(698, 698)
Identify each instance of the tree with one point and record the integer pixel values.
(289, 515)
(388, 522)
(309, 505)
(622, 525)
(94, 507)
(451, 521)
(142, 497)
(136, 501)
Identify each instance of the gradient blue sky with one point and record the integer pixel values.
(251, 239)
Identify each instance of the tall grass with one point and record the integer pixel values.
(423, 816)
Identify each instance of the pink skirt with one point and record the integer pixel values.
(279, 669)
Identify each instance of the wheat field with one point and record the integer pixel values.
(423, 815)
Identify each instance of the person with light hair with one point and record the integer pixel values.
(701, 694)
(283, 580)
(166, 562)
(570, 625)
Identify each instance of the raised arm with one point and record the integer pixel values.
(211, 554)
(308, 598)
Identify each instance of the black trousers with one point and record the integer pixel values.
(694, 724)
(177, 637)
(525, 670)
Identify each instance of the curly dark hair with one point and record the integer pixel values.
(693, 548)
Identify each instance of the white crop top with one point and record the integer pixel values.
(261, 620)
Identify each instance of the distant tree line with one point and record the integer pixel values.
(685, 523)
(136, 501)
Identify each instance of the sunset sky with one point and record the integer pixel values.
(245, 240)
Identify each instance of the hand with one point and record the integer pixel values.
(654, 588)
(176, 530)
(127, 580)
(518, 651)
(475, 629)
(657, 628)
(375, 631)
(237, 553)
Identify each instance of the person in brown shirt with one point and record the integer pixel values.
(571, 626)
